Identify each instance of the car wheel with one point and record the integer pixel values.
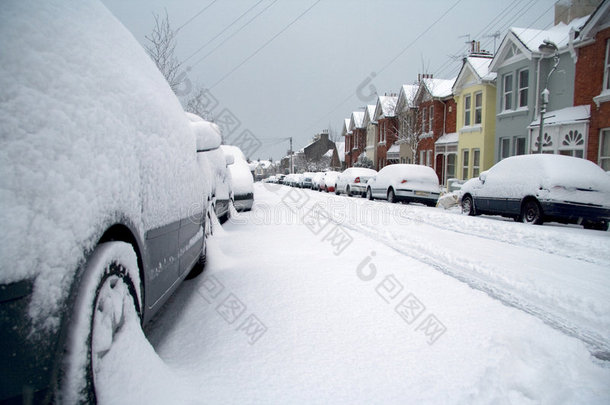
(348, 191)
(467, 205)
(531, 213)
(391, 196)
(336, 190)
(597, 226)
(369, 194)
(108, 300)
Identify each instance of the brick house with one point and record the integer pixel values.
(358, 135)
(387, 128)
(406, 114)
(347, 143)
(371, 133)
(592, 82)
(437, 117)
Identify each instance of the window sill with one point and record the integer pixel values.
(381, 143)
(471, 128)
(602, 98)
(512, 113)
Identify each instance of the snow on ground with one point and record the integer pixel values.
(296, 308)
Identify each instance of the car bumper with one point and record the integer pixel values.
(574, 212)
(244, 202)
(27, 361)
(423, 197)
(357, 188)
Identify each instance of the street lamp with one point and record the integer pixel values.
(547, 48)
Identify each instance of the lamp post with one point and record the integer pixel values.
(547, 48)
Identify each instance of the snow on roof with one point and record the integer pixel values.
(385, 106)
(394, 149)
(565, 116)
(559, 34)
(340, 150)
(480, 64)
(356, 120)
(345, 129)
(369, 114)
(409, 90)
(448, 138)
(329, 153)
(439, 87)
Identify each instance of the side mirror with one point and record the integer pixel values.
(483, 177)
(229, 159)
(207, 135)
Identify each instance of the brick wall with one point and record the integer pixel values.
(588, 82)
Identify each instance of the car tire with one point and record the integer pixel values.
(596, 226)
(468, 205)
(348, 191)
(369, 194)
(391, 196)
(336, 190)
(531, 212)
(111, 275)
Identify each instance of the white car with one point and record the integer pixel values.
(242, 182)
(405, 182)
(541, 187)
(353, 181)
(330, 181)
(316, 181)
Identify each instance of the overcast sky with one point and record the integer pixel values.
(318, 53)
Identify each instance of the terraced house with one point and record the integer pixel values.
(387, 127)
(475, 95)
(358, 135)
(371, 133)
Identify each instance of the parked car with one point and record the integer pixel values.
(316, 180)
(330, 181)
(541, 187)
(353, 181)
(242, 182)
(216, 164)
(305, 180)
(103, 196)
(405, 182)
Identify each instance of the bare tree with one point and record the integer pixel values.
(161, 49)
(199, 103)
(409, 129)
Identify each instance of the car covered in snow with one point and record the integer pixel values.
(316, 180)
(215, 163)
(329, 182)
(405, 182)
(306, 180)
(541, 187)
(242, 182)
(353, 181)
(103, 194)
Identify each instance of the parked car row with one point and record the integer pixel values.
(107, 191)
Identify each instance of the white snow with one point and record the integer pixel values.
(448, 138)
(90, 130)
(241, 177)
(568, 115)
(329, 327)
(440, 88)
(558, 34)
(356, 120)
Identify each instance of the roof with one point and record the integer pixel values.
(356, 120)
(386, 106)
(559, 34)
(447, 138)
(341, 150)
(369, 114)
(566, 115)
(595, 21)
(480, 65)
(440, 88)
(345, 129)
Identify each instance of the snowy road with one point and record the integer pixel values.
(316, 298)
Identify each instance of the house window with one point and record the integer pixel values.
(508, 91)
(523, 87)
(504, 148)
(476, 162)
(604, 149)
(519, 146)
(478, 108)
(431, 118)
(451, 165)
(467, 107)
(429, 158)
(422, 157)
(573, 144)
(423, 120)
(465, 155)
(607, 67)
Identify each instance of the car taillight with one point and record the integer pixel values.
(357, 180)
(403, 181)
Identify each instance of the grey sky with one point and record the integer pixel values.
(306, 78)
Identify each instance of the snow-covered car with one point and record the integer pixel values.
(103, 201)
(353, 180)
(330, 181)
(214, 163)
(541, 187)
(405, 182)
(316, 180)
(242, 181)
(306, 180)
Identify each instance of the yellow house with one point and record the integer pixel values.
(475, 95)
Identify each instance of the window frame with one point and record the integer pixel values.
(465, 163)
(606, 84)
(505, 148)
(523, 100)
(476, 162)
(602, 159)
(429, 158)
(422, 157)
(467, 109)
(424, 122)
(478, 109)
(430, 118)
(507, 94)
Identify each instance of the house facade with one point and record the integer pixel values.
(370, 125)
(475, 95)
(592, 82)
(406, 116)
(387, 128)
(522, 72)
(358, 135)
(347, 143)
